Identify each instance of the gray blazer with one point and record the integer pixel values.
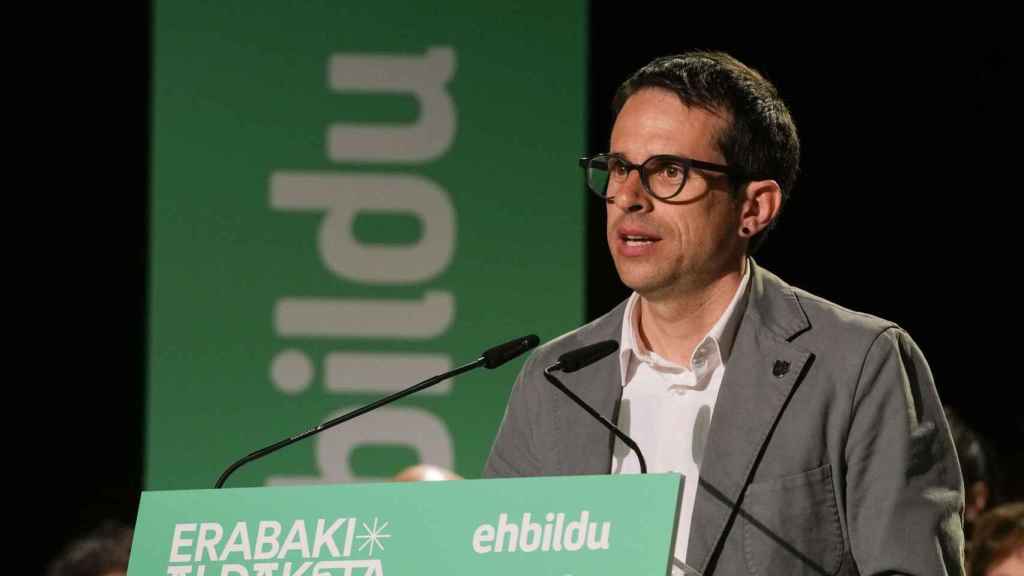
(828, 451)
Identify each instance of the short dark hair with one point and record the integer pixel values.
(971, 450)
(761, 138)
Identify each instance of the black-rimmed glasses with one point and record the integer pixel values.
(662, 176)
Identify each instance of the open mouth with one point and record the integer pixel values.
(637, 240)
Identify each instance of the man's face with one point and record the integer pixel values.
(670, 248)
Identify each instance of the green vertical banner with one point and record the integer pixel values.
(348, 198)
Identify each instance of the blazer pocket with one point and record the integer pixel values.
(791, 525)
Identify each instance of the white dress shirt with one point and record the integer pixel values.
(667, 408)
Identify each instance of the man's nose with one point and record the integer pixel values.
(630, 196)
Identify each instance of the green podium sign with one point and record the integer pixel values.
(559, 526)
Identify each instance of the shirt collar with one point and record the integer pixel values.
(719, 339)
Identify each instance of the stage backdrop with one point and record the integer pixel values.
(348, 197)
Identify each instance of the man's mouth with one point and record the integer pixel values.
(637, 240)
(636, 236)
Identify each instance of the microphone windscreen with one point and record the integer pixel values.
(502, 353)
(587, 355)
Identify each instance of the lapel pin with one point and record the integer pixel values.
(780, 368)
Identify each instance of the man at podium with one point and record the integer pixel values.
(811, 437)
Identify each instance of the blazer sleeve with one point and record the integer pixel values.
(904, 490)
(515, 451)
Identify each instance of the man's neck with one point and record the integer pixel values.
(672, 327)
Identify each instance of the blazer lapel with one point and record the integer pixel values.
(760, 374)
(587, 445)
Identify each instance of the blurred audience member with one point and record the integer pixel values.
(102, 552)
(421, 472)
(997, 548)
(978, 468)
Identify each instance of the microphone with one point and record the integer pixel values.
(581, 358)
(502, 353)
(490, 359)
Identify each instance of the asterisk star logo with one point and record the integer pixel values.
(373, 536)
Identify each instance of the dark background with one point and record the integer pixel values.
(905, 208)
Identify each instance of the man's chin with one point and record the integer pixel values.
(647, 287)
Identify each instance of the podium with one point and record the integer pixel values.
(568, 525)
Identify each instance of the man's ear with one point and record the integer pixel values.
(760, 202)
